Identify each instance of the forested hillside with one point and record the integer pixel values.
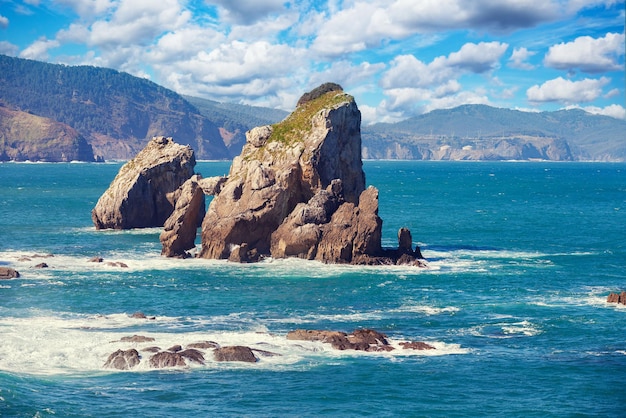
(116, 112)
(235, 119)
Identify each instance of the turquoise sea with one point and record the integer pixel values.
(521, 259)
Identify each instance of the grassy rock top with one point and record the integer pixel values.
(298, 123)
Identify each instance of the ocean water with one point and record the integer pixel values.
(521, 259)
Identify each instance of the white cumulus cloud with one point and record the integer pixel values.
(615, 111)
(519, 59)
(567, 91)
(591, 55)
(38, 50)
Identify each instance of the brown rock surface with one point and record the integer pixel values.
(123, 360)
(179, 231)
(361, 339)
(416, 345)
(234, 353)
(137, 339)
(8, 273)
(166, 359)
(281, 166)
(617, 298)
(144, 192)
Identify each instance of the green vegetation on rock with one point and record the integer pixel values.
(299, 122)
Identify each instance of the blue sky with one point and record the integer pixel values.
(399, 58)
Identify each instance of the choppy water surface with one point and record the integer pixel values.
(521, 255)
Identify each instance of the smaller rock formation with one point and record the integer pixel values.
(137, 339)
(617, 298)
(234, 353)
(8, 273)
(144, 192)
(193, 355)
(204, 345)
(416, 345)
(167, 359)
(41, 266)
(179, 231)
(123, 360)
(360, 340)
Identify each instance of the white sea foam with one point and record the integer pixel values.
(500, 330)
(80, 344)
(426, 309)
(147, 257)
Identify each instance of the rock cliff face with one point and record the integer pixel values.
(28, 137)
(145, 191)
(298, 189)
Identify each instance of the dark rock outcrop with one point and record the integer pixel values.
(234, 353)
(203, 345)
(298, 190)
(167, 359)
(144, 192)
(361, 339)
(123, 360)
(617, 298)
(8, 273)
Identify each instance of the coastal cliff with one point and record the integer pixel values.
(24, 136)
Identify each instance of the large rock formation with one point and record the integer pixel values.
(144, 192)
(298, 189)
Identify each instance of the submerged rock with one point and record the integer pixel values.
(123, 360)
(416, 345)
(144, 192)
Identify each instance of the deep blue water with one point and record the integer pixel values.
(522, 257)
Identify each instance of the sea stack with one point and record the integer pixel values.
(144, 192)
(298, 189)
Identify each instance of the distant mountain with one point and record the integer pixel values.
(235, 119)
(115, 112)
(29, 137)
(479, 132)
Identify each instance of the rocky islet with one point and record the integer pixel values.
(296, 190)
